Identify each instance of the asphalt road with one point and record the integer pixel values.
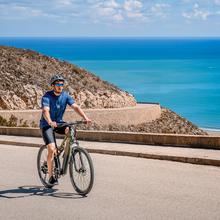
(124, 188)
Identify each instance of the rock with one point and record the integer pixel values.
(9, 100)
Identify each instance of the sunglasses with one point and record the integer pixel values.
(58, 84)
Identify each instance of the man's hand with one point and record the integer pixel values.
(53, 124)
(88, 121)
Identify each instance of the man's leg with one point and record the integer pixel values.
(50, 157)
(49, 139)
(67, 130)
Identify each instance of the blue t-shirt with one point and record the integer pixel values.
(57, 105)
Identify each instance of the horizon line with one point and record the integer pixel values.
(46, 36)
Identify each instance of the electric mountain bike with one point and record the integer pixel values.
(81, 169)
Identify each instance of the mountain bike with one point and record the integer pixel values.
(81, 169)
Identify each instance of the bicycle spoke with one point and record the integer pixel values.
(45, 176)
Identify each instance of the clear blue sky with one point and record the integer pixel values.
(110, 18)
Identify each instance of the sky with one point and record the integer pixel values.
(108, 18)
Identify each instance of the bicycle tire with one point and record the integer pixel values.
(42, 167)
(75, 168)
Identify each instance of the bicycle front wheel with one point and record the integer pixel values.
(81, 171)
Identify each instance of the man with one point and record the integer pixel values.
(54, 103)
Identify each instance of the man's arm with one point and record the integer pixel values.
(79, 111)
(46, 115)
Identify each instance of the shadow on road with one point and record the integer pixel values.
(27, 191)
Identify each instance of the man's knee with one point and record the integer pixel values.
(67, 130)
(51, 149)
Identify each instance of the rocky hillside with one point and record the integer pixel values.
(25, 75)
(168, 123)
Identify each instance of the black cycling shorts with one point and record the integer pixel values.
(48, 133)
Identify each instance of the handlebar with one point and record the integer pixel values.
(60, 125)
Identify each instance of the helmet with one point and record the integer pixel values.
(56, 78)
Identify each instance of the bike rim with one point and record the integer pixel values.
(43, 165)
(81, 171)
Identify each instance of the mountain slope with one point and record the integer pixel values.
(25, 76)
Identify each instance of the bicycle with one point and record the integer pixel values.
(81, 169)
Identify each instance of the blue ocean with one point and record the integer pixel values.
(181, 74)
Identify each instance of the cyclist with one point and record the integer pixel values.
(53, 106)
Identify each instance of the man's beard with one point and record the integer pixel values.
(57, 92)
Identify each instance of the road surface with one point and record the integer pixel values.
(124, 188)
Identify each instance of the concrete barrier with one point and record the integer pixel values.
(122, 116)
(195, 141)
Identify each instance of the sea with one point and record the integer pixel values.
(182, 74)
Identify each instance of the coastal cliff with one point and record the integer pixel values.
(25, 76)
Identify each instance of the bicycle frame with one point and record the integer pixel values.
(68, 145)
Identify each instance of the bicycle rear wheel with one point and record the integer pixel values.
(81, 171)
(42, 166)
